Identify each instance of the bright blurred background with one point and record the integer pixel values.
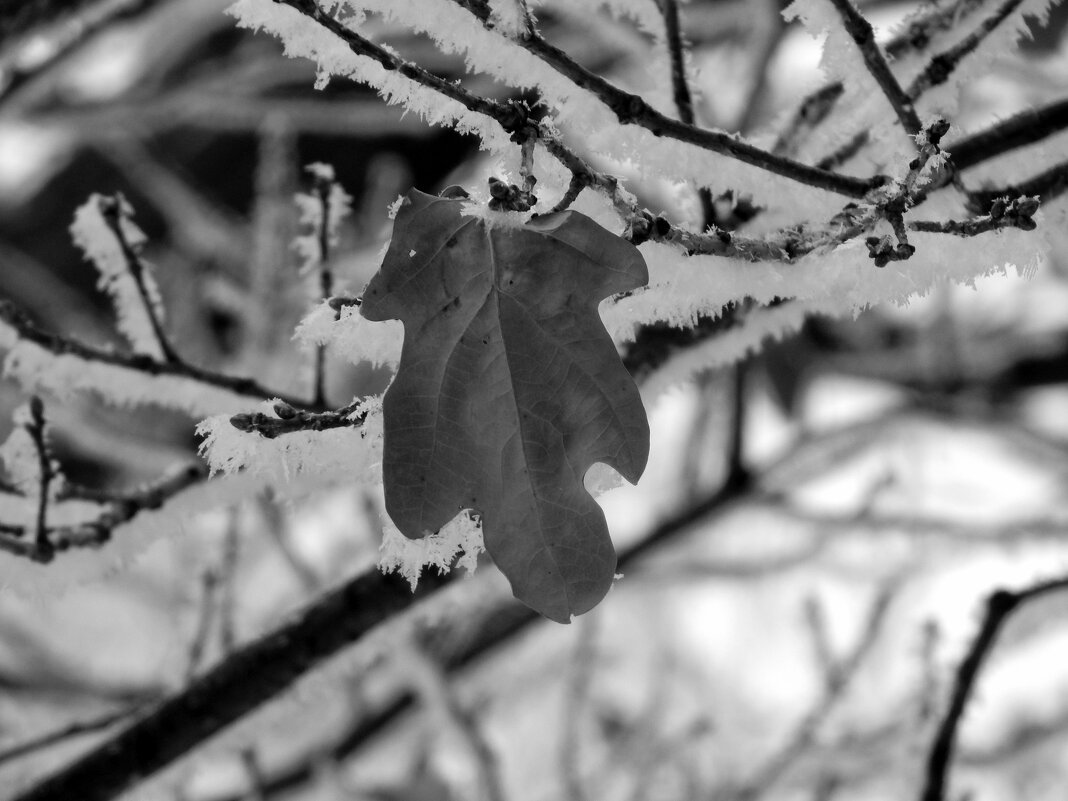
(798, 642)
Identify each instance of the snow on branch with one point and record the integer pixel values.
(64, 367)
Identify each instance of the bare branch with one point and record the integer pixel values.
(999, 607)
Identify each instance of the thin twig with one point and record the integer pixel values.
(837, 682)
(999, 607)
(275, 524)
(46, 474)
(632, 109)
(120, 507)
(289, 420)
(227, 585)
(323, 189)
(209, 583)
(12, 315)
(112, 210)
(737, 472)
(938, 70)
(432, 687)
(1018, 213)
(681, 91)
(861, 31)
(66, 732)
(941, 67)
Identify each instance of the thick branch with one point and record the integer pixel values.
(250, 677)
(1025, 128)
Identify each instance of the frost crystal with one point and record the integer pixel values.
(461, 537)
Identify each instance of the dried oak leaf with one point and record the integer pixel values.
(509, 389)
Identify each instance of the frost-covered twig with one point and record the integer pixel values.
(1018, 213)
(861, 31)
(632, 109)
(13, 316)
(941, 66)
(999, 607)
(290, 419)
(113, 210)
(938, 70)
(816, 106)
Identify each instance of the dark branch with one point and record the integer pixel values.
(861, 31)
(938, 70)
(58, 345)
(1045, 186)
(1023, 129)
(250, 677)
(999, 606)
(681, 91)
(46, 475)
(633, 109)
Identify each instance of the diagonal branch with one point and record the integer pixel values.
(939, 69)
(632, 109)
(1025, 128)
(861, 31)
(250, 677)
(627, 107)
(999, 606)
(111, 209)
(13, 316)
